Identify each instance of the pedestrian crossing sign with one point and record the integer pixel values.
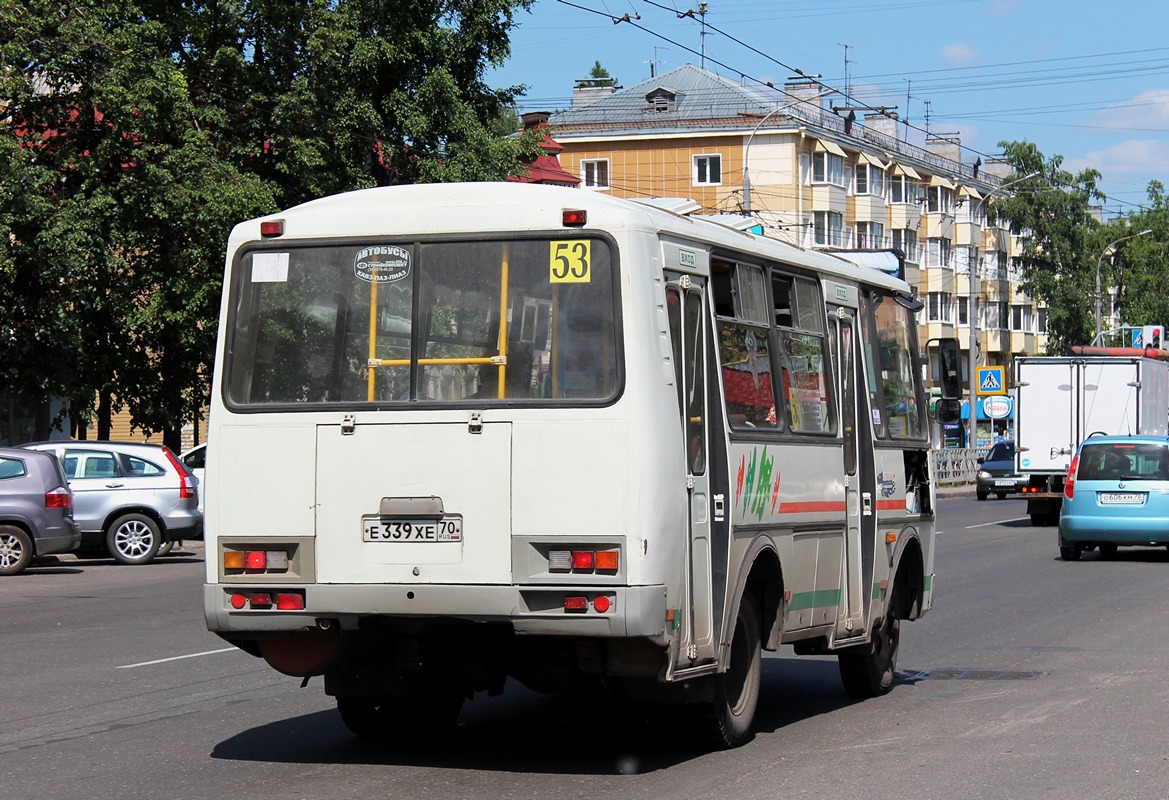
(991, 380)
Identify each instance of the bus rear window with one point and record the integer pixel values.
(377, 322)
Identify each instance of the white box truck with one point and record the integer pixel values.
(1064, 399)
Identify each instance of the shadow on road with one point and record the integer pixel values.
(566, 734)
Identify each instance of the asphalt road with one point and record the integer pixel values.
(1031, 678)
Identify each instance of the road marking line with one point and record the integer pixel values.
(1000, 522)
(177, 658)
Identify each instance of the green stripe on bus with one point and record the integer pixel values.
(802, 601)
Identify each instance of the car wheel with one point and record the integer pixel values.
(981, 495)
(16, 550)
(867, 671)
(1070, 552)
(133, 539)
(1107, 550)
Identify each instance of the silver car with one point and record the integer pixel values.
(129, 499)
(36, 509)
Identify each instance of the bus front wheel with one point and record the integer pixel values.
(867, 670)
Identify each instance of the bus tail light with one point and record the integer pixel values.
(582, 560)
(254, 561)
(577, 604)
(264, 600)
(1069, 484)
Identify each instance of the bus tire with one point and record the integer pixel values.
(426, 713)
(867, 670)
(729, 716)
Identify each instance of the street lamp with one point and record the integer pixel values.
(1099, 260)
(751, 138)
(972, 318)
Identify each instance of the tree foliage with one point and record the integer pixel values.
(1140, 270)
(1051, 209)
(136, 133)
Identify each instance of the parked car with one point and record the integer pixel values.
(36, 509)
(195, 460)
(129, 499)
(996, 473)
(1116, 494)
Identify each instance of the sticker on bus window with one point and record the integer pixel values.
(269, 267)
(382, 264)
(570, 261)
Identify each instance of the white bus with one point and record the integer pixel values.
(468, 432)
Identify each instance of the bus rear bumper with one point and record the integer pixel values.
(632, 611)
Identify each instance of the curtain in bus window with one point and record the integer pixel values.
(899, 379)
(746, 371)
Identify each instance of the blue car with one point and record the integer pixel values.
(1116, 494)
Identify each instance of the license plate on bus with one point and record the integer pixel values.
(1121, 498)
(447, 529)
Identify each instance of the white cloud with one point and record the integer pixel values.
(1136, 157)
(961, 55)
(1148, 110)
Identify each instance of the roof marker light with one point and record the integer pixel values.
(272, 227)
(574, 218)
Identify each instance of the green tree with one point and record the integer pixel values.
(1140, 270)
(136, 134)
(1052, 211)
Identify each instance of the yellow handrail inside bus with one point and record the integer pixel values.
(373, 363)
(503, 278)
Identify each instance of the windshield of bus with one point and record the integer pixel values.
(450, 321)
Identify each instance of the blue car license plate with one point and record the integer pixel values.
(1122, 498)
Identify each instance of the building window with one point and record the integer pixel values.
(828, 229)
(1041, 320)
(905, 240)
(963, 253)
(964, 310)
(595, 172)
(941, 200)
(870, 180)
(996, 316)
(940, 307)
(827, 168)
(938, 254)
(1022, 319)
(708, 170)
(902, 189)
(870, 235)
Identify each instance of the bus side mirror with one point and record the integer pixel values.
(949, 407)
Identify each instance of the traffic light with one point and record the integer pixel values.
(1154, 336)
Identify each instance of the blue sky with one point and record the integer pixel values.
(1088, 81)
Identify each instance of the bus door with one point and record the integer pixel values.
(859, 479)
(684, 301)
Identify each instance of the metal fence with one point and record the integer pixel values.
(956, 465)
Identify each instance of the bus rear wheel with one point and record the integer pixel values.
(730, 713)
(429, 711)
(867, 670)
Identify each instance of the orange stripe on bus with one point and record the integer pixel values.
(817, 506)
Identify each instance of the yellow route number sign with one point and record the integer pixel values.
(570, 261)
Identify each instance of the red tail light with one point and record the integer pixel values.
(59, 498)
(186, 481)
(1069, 484)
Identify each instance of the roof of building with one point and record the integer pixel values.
(690, 98)
(683, 96)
